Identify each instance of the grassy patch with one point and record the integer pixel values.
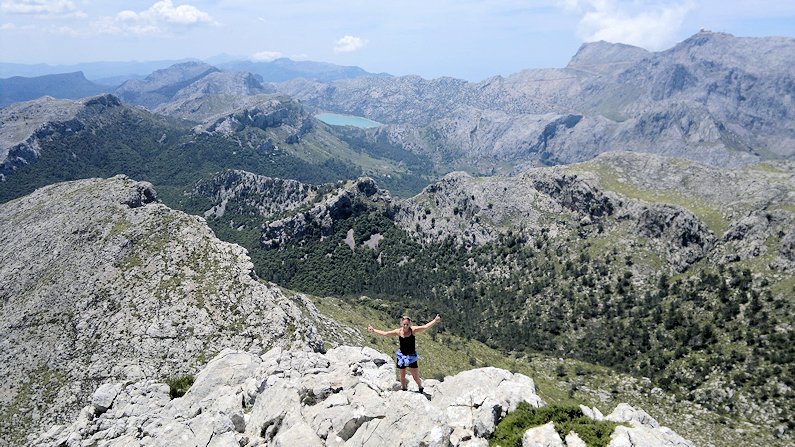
(41, 388)
(179, 385)
(767, 167)
(711, 215)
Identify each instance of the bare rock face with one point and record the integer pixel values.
(101, 283)
(348, 396)
(674, 231)
(342, 203)
(641, 430)
(266, 196)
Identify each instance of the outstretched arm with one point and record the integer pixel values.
(427, 325)
(391, 333)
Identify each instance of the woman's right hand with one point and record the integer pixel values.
(370, 328)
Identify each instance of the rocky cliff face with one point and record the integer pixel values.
(262, 195)
(346, 397)
(348, 200)
(101, 283)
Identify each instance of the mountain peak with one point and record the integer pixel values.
(604, 57)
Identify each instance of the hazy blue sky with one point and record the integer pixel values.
(432, 38)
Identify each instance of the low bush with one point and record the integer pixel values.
(566, 418)
(179, 385)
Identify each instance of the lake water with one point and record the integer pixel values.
(335, 119)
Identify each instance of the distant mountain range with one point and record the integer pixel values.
(65, 85)
(713, 98)
(116, 73)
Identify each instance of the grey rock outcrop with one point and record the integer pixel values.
(101, 283)
(261, 112)
(267, 197)
(542, 436)
(636, 429)
(341, 203)
(676, 232)
(347, 396)
(643, 430)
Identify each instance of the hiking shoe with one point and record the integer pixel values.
(421, 390)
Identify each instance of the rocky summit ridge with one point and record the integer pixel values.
(345, 397)
(101, 283)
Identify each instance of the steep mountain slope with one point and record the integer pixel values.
(66, 85)
(660, 267)
(162, 85)
(707, 99)
(102, 283)
(214, 94)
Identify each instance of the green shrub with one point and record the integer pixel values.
(179, 385)
(566, 418)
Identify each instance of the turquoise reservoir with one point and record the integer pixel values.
(335, 119)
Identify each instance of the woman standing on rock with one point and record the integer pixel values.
(407, 354)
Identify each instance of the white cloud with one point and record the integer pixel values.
(158, 19)
(266, 56)
(41, 8)
(164, 11)
(347, 44)
(651, 24)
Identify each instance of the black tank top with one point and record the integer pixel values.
(407, 346)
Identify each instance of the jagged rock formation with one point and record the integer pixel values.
(263, 113)
(340, 204)
(263, 195)
(101, 283)
(707, 99)
(348, 396)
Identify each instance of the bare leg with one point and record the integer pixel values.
(403, 382)
(415, 373)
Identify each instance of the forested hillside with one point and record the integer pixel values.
(660, 288)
